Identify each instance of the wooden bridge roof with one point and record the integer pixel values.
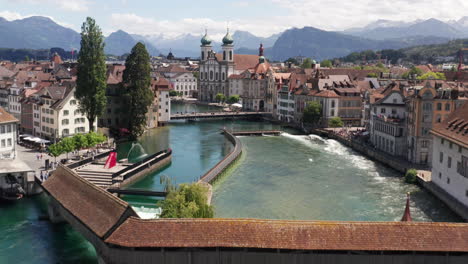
(294, 235)
(96, 208)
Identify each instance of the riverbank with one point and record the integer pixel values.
(402, 166)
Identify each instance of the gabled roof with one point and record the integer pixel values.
(115, 73)
(293, 235)
(455, 126)
(242, 61)
(328, 94)
(94, 207)
(6, 117)
(4, 72)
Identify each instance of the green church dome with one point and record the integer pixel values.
(205, 40)
(228, 40)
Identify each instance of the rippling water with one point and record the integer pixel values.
(308, 177)
(285, 177)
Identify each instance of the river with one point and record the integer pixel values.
(285, 177)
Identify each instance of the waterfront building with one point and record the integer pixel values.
(328, 99)
(430, 104)
(387, 125)
(450, 154)
(113, 116)
(8, 130)
(215, 69)
(286, 105)
(278, 80)
(182, 80)
(56, 112)
(162, 102)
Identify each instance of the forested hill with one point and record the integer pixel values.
(415, 54)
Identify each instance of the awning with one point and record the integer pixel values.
(237, 105)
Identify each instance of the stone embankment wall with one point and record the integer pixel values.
(221, 167)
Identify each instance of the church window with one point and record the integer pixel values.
(224, 55)
(216, 76)
(224, 76)
(203, 55)
(230, 55)
(211, 75)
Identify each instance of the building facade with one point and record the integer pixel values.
(450, 154)
(8, 135)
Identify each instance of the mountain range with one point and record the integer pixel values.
(43, 33)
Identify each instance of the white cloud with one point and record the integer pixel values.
(71, 5)
(323, 14)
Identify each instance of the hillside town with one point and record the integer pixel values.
(234, 155)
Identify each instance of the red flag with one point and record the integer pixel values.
(111, 160)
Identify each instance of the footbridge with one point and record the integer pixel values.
(212, 115)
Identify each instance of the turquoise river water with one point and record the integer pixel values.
(286, 177)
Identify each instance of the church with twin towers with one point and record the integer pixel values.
(222, 72)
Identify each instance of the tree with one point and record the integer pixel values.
(312, 113)
(137, 81)
(380, 65)
(187, 201)
(335, 122)
(326, 64)
(67, 145)
(220, 97)
(233, 99)
(432, 76)
(26, 58)
(372, 75)
(172, 93)
(411, 176)
(293, 61)
(91, 75)
(414, 72)
(80, 141)
(307, 64)
(55, 150)
(94, 138)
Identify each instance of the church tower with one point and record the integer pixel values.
(228, 47)
(205, 46)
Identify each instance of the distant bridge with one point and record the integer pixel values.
(217, 115)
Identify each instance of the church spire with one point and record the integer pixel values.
(407, 215)
(260, 50)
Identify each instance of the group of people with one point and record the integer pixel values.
(44, 175)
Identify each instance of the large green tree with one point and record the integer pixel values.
(312, 113)
(335, 122)
(138, 94)
(187, 201)
(326, 64)
(91, 76)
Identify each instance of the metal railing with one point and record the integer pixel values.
(88, 160)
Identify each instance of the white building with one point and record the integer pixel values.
(215, 69)
(182, 80)
(58, 112)
(450, 154)
(387, 126)
(286, 105)
(8, 125)
(162, 102)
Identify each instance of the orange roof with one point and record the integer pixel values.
(328, 94)
(455, 126)
(242, 61)
(294, 235)
(5, 117)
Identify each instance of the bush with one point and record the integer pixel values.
(233, 99)
(187, 201)
(173, 93)
(411, 176)
(335, 122)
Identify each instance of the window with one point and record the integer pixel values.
(73, 102)
(77, 112)
(438, 119)
(65, 122)
(449, 162)
(65, 112)
(382, 110)
(211, 75)
(3, 143)
(9, 142)
(427, 106)
(230, 55)
(450, 145)
(8, 128)
(442, 141)
(459, 149)
(439, 106)
(447, 107)
(462, 167)
(2, 129)
(425, 143)
(65, 132)
(448, 180)
(440, 175)
(333, 104)
(441, 157)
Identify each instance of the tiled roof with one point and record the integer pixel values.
(328, 94)
(4, 72)
(294, 235)
(97, 209)
(236, 76)
(455, 126)
(242, 61)
(5, 117)
(115, 73)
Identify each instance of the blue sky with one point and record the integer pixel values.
(261, 17)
